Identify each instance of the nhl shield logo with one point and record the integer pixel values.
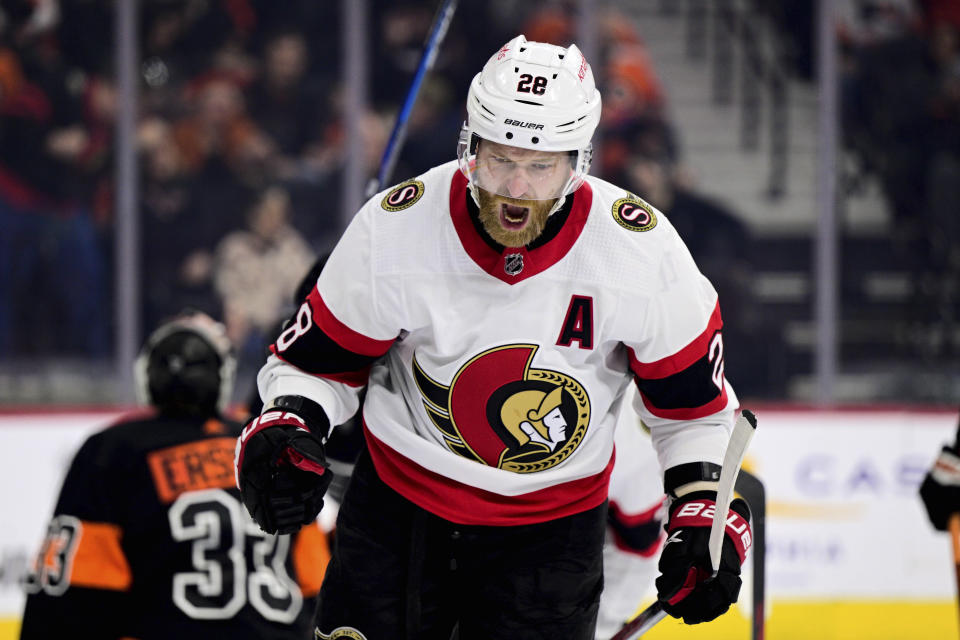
(502, 411)
(513, 264)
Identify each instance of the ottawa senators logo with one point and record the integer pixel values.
(403, 196)
(501, 412)
(634, 214)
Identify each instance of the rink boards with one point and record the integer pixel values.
(850, 553)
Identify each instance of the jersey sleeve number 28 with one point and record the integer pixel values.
(715, 355)
(221, 583)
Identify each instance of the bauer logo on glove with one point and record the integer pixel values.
(686, 587)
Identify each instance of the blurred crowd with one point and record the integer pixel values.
(241, 149)
(901, 120)
(900, 112)
(242, 146)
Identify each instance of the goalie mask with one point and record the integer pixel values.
(539, 98)
(186, 367)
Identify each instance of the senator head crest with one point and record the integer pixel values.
(500, 411)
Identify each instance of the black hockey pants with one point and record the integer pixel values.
(401, 573)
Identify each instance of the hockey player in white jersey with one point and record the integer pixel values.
(495, 309)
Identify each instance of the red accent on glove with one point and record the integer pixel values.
(261, 422)
(297, 460)
(699, 513)
(694, 576)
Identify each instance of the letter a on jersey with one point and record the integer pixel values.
(500, 411)
(578, 323)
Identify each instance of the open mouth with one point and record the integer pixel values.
(513, 217)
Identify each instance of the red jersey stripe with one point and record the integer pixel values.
(634, 519)
(341, 333)
(464, 504)
(682, 359)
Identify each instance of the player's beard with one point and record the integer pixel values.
(504, 220)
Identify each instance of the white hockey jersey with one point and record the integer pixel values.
(494, 375)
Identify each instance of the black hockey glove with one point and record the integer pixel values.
(940, 490)
(685, 587)
(282, 470)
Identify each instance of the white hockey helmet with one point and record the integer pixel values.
(535, 96)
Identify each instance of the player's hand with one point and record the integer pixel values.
(940, 490)
(685, 587)
(281, 471)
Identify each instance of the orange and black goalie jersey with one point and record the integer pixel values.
(149, 539)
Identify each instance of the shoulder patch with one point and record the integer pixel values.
(634, 214)
(402, 196)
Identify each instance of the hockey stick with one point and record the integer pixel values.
(743, 430)
(389, 159)
(647, 619)
(752, 490)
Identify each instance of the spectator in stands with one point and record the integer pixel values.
(943, 173)
(432, 116)
(902, 119)
(209, 159)
(176, 235)
(256, 271)
(721, 246)
(403, 28)
(53, 155)
(284, 102)
(219, 134)
(634, 85)
(317, 203)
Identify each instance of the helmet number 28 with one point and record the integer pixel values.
(530, 84)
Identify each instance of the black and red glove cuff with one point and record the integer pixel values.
(311, 413)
